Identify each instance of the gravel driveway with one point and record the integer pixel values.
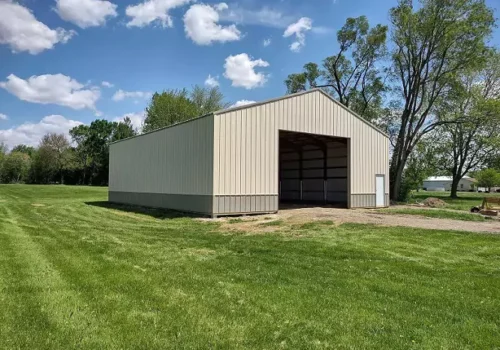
(363, 216)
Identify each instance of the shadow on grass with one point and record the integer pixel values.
(157, 213)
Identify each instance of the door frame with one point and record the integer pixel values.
(383, 191)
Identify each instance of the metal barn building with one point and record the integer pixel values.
(304, 148)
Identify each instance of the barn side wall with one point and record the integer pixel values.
(170, 168)
(247, 143)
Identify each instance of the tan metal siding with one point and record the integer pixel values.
(176, 160)
(247, 142)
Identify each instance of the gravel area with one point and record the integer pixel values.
(362, 216)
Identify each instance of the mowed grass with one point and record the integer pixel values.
(465, 200)
(434, 213)
(78, 273)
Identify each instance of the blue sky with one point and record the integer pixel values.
(70, 47)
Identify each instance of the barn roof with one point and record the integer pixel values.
(250, 105)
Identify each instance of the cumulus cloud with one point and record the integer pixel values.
(86, 13)
(151, 11)
(31, 133)
(242, 103)
(201, 25)
(120, 95)
(23, 32)
(3, 116)
(212, 81)
(266, 42)
(107, 84)
(137, 119)
(56, 89)
(298, 29)
(240, 69)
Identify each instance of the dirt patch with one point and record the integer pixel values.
(291, 217)
(37, 205)
(434, 202)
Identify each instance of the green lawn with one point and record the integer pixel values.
(434, 213)
(465, 200)
(77, 273)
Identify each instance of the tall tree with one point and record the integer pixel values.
(92, 147)
(488, 178)
(79, 135)
(29, 150)
(207, 100)
(169, 107)
(474, 103)
(432, 44)
(15, 167)
(352, 73)
(55, 152)
(3, 153)
(123, 130)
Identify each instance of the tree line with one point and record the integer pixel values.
(430, 80)
(83, 158)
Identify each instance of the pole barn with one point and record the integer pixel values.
(304, 148)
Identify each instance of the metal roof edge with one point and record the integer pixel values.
(258, 103)
(161, 129)
(233, 109)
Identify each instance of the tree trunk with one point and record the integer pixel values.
(454, 187)
(396, 176)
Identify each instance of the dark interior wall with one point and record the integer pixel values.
(313, 169)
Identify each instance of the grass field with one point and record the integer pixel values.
(78, 273)
(465, 200)
(435, 213)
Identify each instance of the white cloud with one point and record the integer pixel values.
(120, 95)
(31, 133)
(212, 81)
(107, 84)
(266, 42)
(242, 103)
(151, 11)
(86, 13)
(137, 119)
(56, 89)
(240, 69)
(201, 25)
(298, 29)
(263, 17)
(23, 32)
(3, 116)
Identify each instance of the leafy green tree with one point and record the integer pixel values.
(15, 167)
(24, 149)
(169, 107)
(92, 148)
(421, 164)
(207, 100)
(52, 158)
(123, 130)
(3, 153)
(472, 141)
(351, 74)
(100, 135)
(488, 178)
(79, 135)
(433, 43)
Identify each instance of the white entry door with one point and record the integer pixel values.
(380, 190)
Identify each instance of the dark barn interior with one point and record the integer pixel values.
(313, 169)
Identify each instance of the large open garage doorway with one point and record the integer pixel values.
(313, 169)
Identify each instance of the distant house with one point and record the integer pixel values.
(443, 183)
